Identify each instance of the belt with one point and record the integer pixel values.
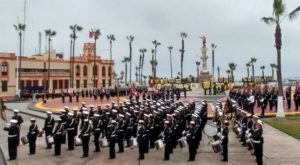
(12, 135)
(64, 123)
(58, 132)
(49, 126)
(256, 141)
(97, 129)
(86, 134)
(69, 129)
(33, 132)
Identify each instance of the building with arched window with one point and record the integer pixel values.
(34, 71)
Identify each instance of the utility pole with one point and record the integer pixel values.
(213, 46)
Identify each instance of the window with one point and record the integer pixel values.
(109, 71)
(103, 83)
(66, 84)
(22, 83)
(103, 71)
(77, 84)
(77, 70)
(28, 83)
(35, 83)
(4, 86)
(95, 70)
(85, 70)
(4, 69)
(54, 84)
(95, 83)
(84, 83)
(60, 84)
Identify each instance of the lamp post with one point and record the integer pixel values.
(118, 94)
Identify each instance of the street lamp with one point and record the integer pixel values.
(118, 79)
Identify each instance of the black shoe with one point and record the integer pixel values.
(10, 159)
(55, 155)
(30, 153)
(223, 160)
(190, 160)
(97, 151)
(120, 152)
(83, 156)
(47, 148)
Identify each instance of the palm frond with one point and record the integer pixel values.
(293, 15)
(268, 20)
(278, 8)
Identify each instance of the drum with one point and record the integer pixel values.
(250, 145)
(103, 142)
(50, 140)
(182, 142)
(216, 146)
(24, 140)
(133, 142)
(159, 144)
(78, 141)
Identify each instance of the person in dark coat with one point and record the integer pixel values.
(258, 141)
(97, 128)
(12, 139)
(20, 121)
(32, 135)
(112, 138)
(71, 126)
(141, 139)
(224, 138)
(48, 128)
(85, 137)
(57, 137)
(167, 140)
(191, 140)
(62, 97)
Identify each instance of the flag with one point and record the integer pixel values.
(91, 34)
(2, 109)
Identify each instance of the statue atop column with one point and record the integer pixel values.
(204, 57)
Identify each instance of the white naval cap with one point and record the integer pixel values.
(114, 111)
(86, 120)
(70, 114)
(114, 122)
(192, 122)
(75, 109)
(92, 106)
(16, 110)
(128, 114)
(121, 115)
(49, 112)
(66, 107)
(141, 122)
(96, 115)
(32, 119)
(83, 103)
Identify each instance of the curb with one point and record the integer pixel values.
(2, 157)
(30, 114)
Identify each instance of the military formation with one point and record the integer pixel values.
(146, 124)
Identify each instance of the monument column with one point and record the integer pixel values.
(204, 57)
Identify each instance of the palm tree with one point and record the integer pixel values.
(125, 61)
(20, 28)
(232, 67)
(152, 62)
(130, 39)
(262, 71)
(279, 11)
(252, 61)
(228, 73)
(273, 66)
(170, 50)
(49, 33)
(248, 65)
(218, 69)
(198, 64)
(156, 44)
(183, 35)
(74, 28)
(111, 39)
(213, 46)
(136, 73)
(142, 59)
(96, 33)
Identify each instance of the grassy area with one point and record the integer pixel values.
(289, 125)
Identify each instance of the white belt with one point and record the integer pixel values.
(49, 126)
(86, 134)
(58, 132)
(97, 129)
(12, 135)
(256, 141)
(69, 129)
(33, 132)
(64, 123)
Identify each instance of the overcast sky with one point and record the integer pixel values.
(233, 25)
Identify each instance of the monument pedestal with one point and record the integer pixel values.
(204, 75)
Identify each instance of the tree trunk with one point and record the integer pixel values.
(130, 56)
(110, 57)
(73, 61)
(232, 75)
(94, 67)
(126, 73)
(272, 74)
(247, 72)
(198, 74)
(182, 55)
(48, 84)
(252, 72)
(71, 68)
(171, 64)
(20, 61)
